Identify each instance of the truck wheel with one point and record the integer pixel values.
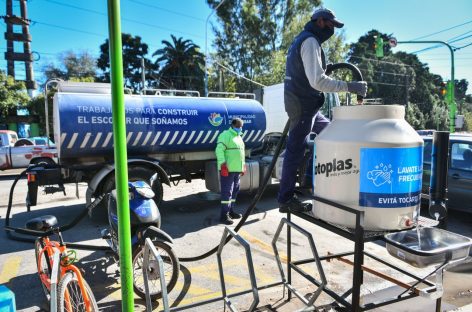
(134, 174)
(43, 161)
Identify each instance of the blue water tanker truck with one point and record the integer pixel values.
(171, 136)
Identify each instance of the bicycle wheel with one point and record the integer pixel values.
(43, 266)
(171, 271)
(69, 295)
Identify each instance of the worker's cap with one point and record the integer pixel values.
(327, 15)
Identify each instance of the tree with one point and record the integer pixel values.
(398, 76)
(181, 64)
(335, 49)
(250, 30)
(134, 50)
(73, 66)
(12, 94)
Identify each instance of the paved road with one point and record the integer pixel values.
(189, 216)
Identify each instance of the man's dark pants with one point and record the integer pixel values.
(229, 191)
(299, 128)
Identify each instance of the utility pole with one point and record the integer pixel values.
(26, 56)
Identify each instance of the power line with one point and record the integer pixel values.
(441, 31)
(70, 29)
(123, 18)
(386, 62)
(463, 46)
(440, 45)
(167, 10)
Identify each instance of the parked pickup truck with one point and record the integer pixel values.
(20, 153)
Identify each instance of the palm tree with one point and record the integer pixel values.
(182, 64)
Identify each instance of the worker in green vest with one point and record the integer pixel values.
(230, 157)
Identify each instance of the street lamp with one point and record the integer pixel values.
(206, 45)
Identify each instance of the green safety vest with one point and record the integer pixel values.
(230, 150)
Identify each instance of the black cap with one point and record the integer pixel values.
(327, 15)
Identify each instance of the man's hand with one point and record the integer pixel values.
(358, 87)
(244, 170)
(224, 170)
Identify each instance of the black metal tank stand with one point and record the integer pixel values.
(359, 236)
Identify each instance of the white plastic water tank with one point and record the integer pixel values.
(369, 158)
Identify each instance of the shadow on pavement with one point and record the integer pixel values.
(197, 212)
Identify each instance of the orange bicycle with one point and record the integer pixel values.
(72, 293)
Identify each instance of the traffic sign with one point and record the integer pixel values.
(392, 42)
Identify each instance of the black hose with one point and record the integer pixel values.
(252, 205)
(356, 73)
(10, 230)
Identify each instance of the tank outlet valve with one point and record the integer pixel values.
(406, 222)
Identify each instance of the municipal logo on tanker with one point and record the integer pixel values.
(215, 119)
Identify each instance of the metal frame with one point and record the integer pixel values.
(56, 264)
(319, 267)
(250, 265)
(359, 236)
(149, 248)
(159, 92)
(248, 95)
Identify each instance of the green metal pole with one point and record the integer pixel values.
(121, 164)
(451, 102)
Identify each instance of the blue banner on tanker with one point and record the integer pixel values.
(390, 177)
(154, 124)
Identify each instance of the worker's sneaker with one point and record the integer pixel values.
(294, 205)
(226, 219)
(234, 215)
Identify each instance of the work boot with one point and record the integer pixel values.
(226, 219)
(234, 215)
(294, 205)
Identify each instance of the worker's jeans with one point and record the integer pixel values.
(295, 151)
(229, 191)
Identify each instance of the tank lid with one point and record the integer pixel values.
(369, 112)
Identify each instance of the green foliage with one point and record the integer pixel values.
(467, 121)
(335, 50)
(12, 94)
(133, 51)
(401, 75)
(182, 65)
(250, 31)
(73, 66)
(414, 116)
(36, 107)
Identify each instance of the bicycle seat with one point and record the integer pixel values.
(42, 223)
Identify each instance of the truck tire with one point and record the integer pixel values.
(135, 173)
(43, 161)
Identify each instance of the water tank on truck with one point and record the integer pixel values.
(155, 125)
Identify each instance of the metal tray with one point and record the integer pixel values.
(427, 246)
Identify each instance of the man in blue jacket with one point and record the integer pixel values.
(305, 82)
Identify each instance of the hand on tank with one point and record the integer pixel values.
(358, 87)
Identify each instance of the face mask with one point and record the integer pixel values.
(238, 130)
(326, 33)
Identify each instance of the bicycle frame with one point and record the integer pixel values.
(51, 247)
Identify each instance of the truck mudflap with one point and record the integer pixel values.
(155, 233)
(44, 175)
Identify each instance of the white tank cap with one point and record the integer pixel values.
(369, 112)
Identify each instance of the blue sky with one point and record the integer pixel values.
(60, 25)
